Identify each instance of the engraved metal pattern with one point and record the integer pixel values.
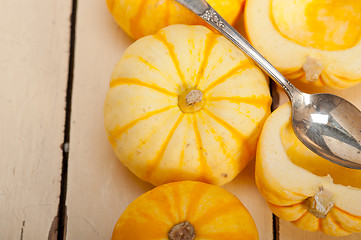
(211, 16)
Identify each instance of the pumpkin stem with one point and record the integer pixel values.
(191, 100)
(182, 231)
(312, 68)
(320, 204)
(194, 97)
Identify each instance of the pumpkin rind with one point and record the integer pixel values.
(340, 66)
(287, 183)
(213, 212)
(139, 18)
(154, 138)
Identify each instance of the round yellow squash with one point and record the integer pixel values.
(185, 104)
(139, 18)
(314, 41)
(186, 211)
(300, 186)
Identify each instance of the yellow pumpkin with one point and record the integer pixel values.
(186, 210)
(300, 186)
(313, 41)
(139, 18)
(185, 104)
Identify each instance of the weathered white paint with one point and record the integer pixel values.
(34, 54)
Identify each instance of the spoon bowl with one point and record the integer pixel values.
(328, 125)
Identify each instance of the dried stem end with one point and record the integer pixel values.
(312, 68)
(320, 204)
(182, 231)
(191, 100)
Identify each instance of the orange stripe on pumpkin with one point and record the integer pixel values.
(131, 229)
(118, 131)
(154, 163)
(319, 228)
(346, 213)
(216, 212)
(235, 133)
(219, 139)
(195, 197)
(347, 79)
(172, 55)
(142, 60)
(166, 20)
(177, 195)
(257, 101)
(209, 44)
(137, 82)
(286, 206)
(154, 219)
(135, 21)
(295, 75)
(298, 219)
(205, 171)
(184, 142)
(226, 235)
(166, 206)
(337, 224)
(325, 77)
(243, 65)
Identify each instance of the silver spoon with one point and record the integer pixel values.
(328, 125)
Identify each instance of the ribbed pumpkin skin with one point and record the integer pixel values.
(286, 185)
(154, 138)
(213, 212)
(139, 18)
(292, 34)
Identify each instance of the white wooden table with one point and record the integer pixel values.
(59, 178)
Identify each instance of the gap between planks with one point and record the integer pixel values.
(62, 216)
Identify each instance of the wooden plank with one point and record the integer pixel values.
(244, 187)
(34, 54)
(99, 187)
(287, 230)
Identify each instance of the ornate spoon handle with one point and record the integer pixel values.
(205, 11)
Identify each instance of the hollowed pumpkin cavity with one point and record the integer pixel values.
(301, 187)
(311, 162)
(317, 42)
(321, 24)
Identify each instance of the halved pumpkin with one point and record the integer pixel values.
(315, 41)
(302, 187)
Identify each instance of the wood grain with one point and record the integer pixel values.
(34, 59)
(34, 54)
(99, 186)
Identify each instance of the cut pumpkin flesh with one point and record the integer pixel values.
(302, 187)
(315, 41)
